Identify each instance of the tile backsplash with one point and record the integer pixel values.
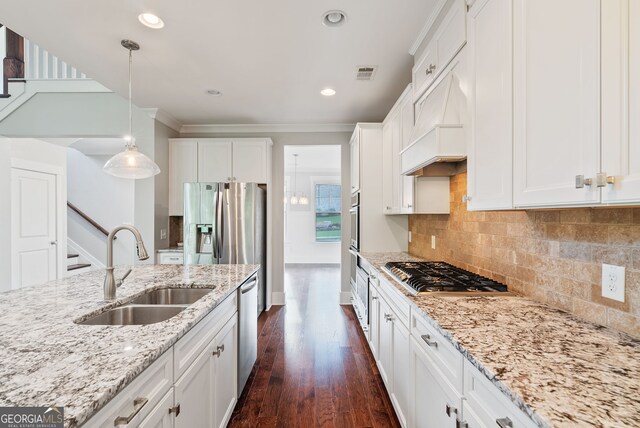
(552, 256)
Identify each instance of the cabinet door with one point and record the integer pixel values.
(194, 393)
(490, 159)
(355, 162)
(183, 168)
(401, 391)
(556, 58)
(438, 405)
(250, 161)
(374, 326)
(385, 348)
(160, 417)
(426, 69)
(215, 161)
(621, 100)
(387, 168)
(451, 37)
(226, 372)
(406, 126)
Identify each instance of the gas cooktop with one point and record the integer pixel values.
(430, 277)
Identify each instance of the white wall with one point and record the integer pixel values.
(161, 185)
(300, 245)
(32, 150)
(106, 199)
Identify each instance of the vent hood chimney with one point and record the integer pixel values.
(438, 134)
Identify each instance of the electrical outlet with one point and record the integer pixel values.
(433, 242)
(613, 282)
(163, 233)
(409, 236)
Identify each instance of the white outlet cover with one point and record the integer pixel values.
(613, 282)
(433, 242)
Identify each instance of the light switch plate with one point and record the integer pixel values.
(613, 282)
(409, 236)
(163, 233)
(433, 242)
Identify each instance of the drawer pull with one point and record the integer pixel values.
(374, 298)
(138, 404)
(428, 341)
(175, 409)
(219, 350)
(430, 69)
(388, 317)
(504, 423)
(449, 410)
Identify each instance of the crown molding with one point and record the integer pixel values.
(266, 128)
(427, 27)
(164, 117)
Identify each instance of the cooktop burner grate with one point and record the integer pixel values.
(428, 277)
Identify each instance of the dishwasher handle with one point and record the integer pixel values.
(249, 286)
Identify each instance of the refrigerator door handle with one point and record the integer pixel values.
(219, 222)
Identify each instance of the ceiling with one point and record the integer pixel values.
(269, 58)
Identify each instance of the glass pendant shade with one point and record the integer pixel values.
(294, 200)
(303, 200)
(131, 164)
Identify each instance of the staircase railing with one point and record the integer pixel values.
(91, 221)
(40, 64)
(13, 59)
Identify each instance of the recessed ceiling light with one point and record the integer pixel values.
(334, 18)
(151, 20)
(214, 92)
(328, 92)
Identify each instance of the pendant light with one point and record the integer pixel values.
(294, 197)
(131, 163)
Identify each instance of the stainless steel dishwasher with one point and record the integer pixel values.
(247, 330)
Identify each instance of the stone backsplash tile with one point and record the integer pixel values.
(552, 256)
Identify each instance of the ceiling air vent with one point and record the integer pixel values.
(366, 72)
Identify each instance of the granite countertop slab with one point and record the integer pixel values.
(560, 370)
(171, 250)
(46, 359)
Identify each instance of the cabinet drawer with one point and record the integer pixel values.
(397, 302)
(487, 403)
(187, 349)
(171, 258)
(140, 397)
(447, 358)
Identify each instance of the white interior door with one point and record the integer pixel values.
(33, 228)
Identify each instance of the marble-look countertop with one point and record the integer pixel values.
(560, 370)
(47, 359)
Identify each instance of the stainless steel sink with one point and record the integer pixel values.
(172, 296)
(135, 315)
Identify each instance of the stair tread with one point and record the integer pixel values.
(70, 256)
(78, 266)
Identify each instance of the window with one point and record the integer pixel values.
(328, 213)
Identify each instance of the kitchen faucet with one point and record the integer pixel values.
(110, 282)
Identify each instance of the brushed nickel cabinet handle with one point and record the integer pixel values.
(219, 350)
(138, 404)
(504, 423)
(428, 341)
(175, 409)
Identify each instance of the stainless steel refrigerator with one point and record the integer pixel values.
(225, 223)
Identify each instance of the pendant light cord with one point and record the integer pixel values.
(130, 143)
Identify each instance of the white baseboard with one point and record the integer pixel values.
(73, 247)
(345, 297)
(278, 298)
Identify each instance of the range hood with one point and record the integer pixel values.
(438, 134)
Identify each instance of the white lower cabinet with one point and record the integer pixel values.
(160, 417)
(374, 321)
(192, 385)
(385, 350)
(436, 403)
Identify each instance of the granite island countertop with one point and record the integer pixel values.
(558, 369)
(47, 359)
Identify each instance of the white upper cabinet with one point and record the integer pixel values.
(556, 65)
(449, 37)
(355, 162)
(215, 161)
(621, 101)
(489, 157)
(183, 161)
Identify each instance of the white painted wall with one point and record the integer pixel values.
(300, 245)
(106, 199)
(161, 187)
(32, 150)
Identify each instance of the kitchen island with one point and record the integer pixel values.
(556, 368)
(47, 359)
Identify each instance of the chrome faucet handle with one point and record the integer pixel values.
(121, 280)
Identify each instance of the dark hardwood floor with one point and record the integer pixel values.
(314, 367)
